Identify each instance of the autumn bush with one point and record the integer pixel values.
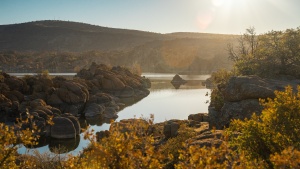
(170, 150)
(129, 148)
(9, 142)
(272, 133)
(269, 140)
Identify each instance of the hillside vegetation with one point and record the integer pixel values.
(68, 46)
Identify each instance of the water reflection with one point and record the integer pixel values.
(176, 85)
(164, 102)
(60, 146)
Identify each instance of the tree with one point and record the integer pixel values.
(272, 54)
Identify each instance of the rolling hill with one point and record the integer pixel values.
(56, 45)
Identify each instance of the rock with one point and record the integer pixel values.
(37, 103)
(75, 122)
(53, 99)
(55, 110)
(15, 83)
(126, 92)
(206, 139)
(253, 87)
(4, 102)
(146, 82)
(199, 117)
(109, 113)
(102, 134)
(100, 98)
(14, 95)
(241, 98)
(62, 128)
(177, 81)
(170, 129)
(93, 109)
(70, 97)
(233, 110)
(126, 125)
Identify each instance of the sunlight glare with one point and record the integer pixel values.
(218, 2)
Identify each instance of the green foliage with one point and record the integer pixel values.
(272, 54)
(276, 129)
(221, 77)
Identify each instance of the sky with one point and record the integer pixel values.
(161, 16)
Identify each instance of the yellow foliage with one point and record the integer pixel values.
(276, 129)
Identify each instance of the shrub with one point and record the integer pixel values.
(170, 150)
(9, 141)
(221, 77)
(276, 129)
(130, 149)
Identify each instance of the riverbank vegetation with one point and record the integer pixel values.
(266, 141)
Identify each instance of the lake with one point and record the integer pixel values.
(164, 102)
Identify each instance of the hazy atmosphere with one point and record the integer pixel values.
(141, 84)
(161, 16)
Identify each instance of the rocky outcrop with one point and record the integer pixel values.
(69, 97)
(111, 87)
(253, 87)
(177, 81)
(241, 98)
(99, 91)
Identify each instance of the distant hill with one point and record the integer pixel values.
(69, 36)
(68, 46)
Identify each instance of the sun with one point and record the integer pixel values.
(218, 2)
(229, 3)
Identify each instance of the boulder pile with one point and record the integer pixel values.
(99, 91)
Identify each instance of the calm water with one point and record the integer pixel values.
(164, 101)
(51, 74)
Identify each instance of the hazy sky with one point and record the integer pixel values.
(162, 16)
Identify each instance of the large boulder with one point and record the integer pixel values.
(199, 117)
(233, 110)
(241, 98)
(5, 102)
(69, 97)
(177, 81)
(63, 128)
(253, 87)
(15, 83)
(75, 122)
(93, 110)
